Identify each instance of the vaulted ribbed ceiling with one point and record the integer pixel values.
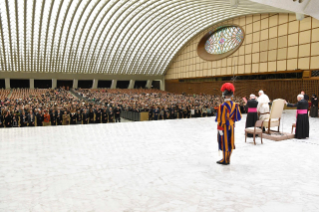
(105, 36)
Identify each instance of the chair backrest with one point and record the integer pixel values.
(259, 123)
(277, 108)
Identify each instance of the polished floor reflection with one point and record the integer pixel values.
(153, 167)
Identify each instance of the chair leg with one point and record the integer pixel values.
(254, 138)
(261, 138)
(292, 129)
(245, 137)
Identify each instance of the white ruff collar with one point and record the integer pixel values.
(227, 100)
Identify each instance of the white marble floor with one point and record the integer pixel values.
(155, 167)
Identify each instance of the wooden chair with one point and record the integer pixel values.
(275, 115)
(257, 130)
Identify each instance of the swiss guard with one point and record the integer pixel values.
(228, 114)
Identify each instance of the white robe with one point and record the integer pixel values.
(263, 106)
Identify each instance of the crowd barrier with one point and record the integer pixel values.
(134, 116)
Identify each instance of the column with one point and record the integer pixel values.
(94, 85)
(114, 82)
(31, 83)
(162, 84)
(7, 82)
(131, 85)
(149, 84)
(54, 83)
(75, 83)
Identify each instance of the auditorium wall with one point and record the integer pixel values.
(273, 43)
(283, 88)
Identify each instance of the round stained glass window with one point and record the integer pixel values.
(221, 42)
(224, 40)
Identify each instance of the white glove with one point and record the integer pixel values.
(220, 132)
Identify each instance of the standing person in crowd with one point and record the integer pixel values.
(1, 119)
(8, 119)
(180, 112)
(85, 116)
(204, 111)
(15, 122)
(39, 116)
(98, 115)
(73, 118)
(66, 118)
(79, 117)
(31, 119)
(197, 112)
(166, 113)
(314, 106)
(53, 117)
(228, 114)
(91, 116)
(104, 116)
(46, 118)
(111, 115)
(251, 108)
(302, 122)
(59, 119)
(23, 119)
(156, 113)
(173, 112)
(117, 113)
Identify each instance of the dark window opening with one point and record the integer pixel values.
(104, 83)
(156, 85)
(122, 84)
(42, 83)
(19, 83)
(67, 84)
(85, 83)
(315, 73)
(140, 84)
(297, 75)
(2, 83)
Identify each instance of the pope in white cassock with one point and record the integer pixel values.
(263, 106)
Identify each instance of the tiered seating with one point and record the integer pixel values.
(4, 94)
(26, 93)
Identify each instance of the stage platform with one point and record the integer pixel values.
(155, 166)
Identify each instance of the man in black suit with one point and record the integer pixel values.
(111, 115)
(85, 117)
(104, 116)
(39, 116)
(23, 119)
(59, 119)
(53, 117)
(117, 113)
(73, 117)
(8, 119)
(1, 121)
(31, 119)
(98, 115)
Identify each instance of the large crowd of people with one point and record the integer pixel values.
(42, 107)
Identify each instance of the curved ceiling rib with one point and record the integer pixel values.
(128, 37)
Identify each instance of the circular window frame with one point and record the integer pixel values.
(202, 53)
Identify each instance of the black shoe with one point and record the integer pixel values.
(220, 162)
